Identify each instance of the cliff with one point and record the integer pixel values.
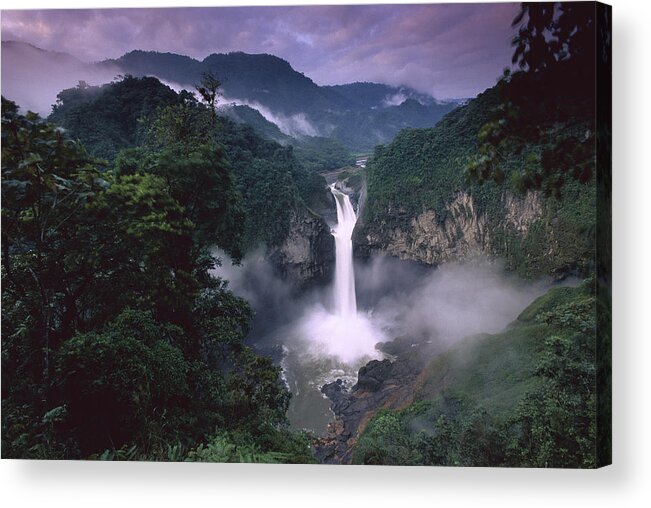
(461, 235)
(420, 205)
(307, 254)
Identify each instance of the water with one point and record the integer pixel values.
(323, 336)
(344, 289)
(333, 343)
(331, 332)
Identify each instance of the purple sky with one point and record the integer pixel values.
(448, 50)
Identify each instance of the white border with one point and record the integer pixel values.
(25, 483)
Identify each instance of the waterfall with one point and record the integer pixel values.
(341, 333)
(344, 290)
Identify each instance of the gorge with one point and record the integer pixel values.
(211, 257)
(361, 279)
(364, 338)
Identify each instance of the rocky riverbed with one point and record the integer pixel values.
(389, 383)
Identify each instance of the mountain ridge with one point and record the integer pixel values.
(358, 115)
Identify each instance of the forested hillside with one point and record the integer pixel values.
(315, 153)
(117, 342)
(524, 397)
(141, 116)
(423, 205)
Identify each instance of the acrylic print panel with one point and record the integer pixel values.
(308, 234)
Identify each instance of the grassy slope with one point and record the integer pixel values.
(495, 371)
(465, 397)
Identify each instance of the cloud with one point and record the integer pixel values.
(448, 50)
(395, 99)
(296, 125)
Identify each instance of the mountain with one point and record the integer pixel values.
(262, 78)
(376, 95)
(358, 115)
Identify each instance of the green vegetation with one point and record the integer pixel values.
(357, 116)
(421, 168)
(424, 169)
(322, 154)
(253, 118)
(118, 343)
(555, 51)
(105, 118)
(313, 152)
(177, 138)
(523, 397)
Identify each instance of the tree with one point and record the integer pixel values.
(210, 93)
(105, 118)
(555, 424)
(554, 32)
(181, 148)
(119, 384)
(186, 123)
(117, 340)
(47, 182)
(547, 105)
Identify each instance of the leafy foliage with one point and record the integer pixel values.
(105, 118)
(322, 154)
(118, 343)
(555, 51)
(555, 424)
(178, 138)
(209, 90)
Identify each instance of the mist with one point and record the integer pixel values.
(296, 125)
(400, 304)
(32, 78)
(397, 299)
(444, 304)
(395, 99)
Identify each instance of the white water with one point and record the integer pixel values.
(344, 290)
(342, 333)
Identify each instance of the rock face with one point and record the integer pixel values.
(522, 212)
(381, 384)
(462, 234)
(307, 255)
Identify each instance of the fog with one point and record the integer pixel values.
(296, 125)
(396, 299)
(448, 303)
(395, 99)
(32, 78)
